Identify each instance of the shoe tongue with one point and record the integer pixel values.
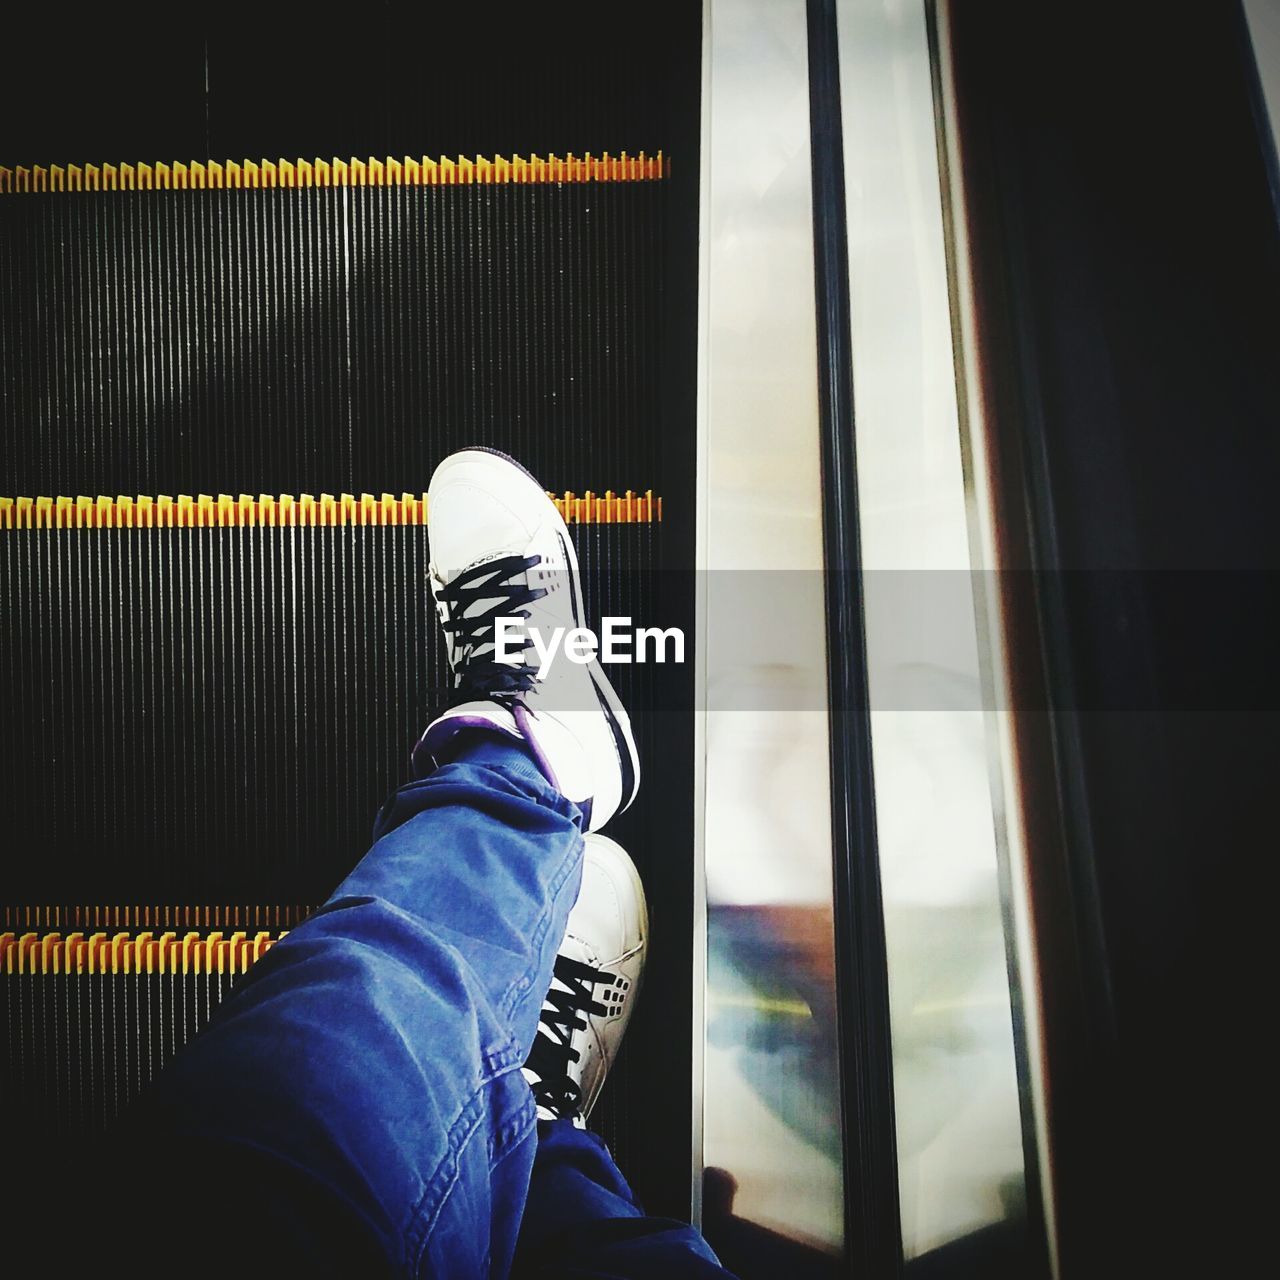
(480, 602)
(578, 950)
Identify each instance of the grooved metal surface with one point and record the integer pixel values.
(79, 1047)
(328, 339)
(216, 715)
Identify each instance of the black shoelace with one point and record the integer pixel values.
(552, 1055)
(474, 634)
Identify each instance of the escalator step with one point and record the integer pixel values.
(88, 1022)
(329, 339)
(216, 714)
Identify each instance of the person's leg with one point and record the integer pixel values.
(365, 1075)
(580, 1216)
(357, 1105)
(360, 1090)
(581, 1219)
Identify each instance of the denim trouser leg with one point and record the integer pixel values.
(582, 1220)
(356, 1106)
(370, 1062)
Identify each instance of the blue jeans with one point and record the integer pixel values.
(357, 1106)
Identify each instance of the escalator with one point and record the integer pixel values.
(914, 358)
(258, 281)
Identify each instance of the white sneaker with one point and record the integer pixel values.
(499, 549)
(593, 986)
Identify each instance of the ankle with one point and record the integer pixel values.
(490, 747)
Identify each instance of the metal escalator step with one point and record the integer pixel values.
(88, 1020)
(329, 339)
(213, 715)
(216, 714)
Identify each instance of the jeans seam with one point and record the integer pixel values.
(505, 1057)
(425, 1215)
(498, 1061)
(522, 984)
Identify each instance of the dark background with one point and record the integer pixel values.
(1120, 178)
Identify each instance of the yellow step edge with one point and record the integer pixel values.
(34, 954)
(389, 171)
(223, 512)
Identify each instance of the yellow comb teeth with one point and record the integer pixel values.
(204, 511)
(389, 171)
(37, 954)
(142, 938)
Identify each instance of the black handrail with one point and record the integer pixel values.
(873, 1239)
